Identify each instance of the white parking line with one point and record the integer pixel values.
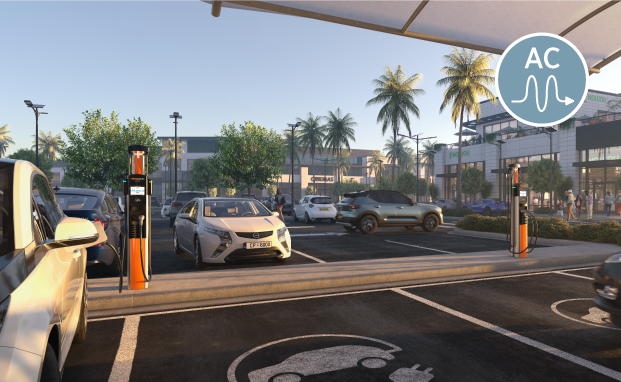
(122, 367)
(320, 234)
(295, 226)
(418, 246)
(571, 274)
(309, 256)
(548, 349)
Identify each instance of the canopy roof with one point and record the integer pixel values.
(487, 26)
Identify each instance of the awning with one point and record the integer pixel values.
(598, 163)
(487, 26)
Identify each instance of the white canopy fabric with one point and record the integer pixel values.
(487, 26)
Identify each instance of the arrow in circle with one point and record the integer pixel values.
(568, 101)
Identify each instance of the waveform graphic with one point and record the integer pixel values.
(567, 100)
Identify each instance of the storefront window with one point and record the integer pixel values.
(608, 153)
(533, 158)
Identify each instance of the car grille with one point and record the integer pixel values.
(252, 254)
(249, 235)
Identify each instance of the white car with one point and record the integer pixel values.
(43, 289)
(314, 207)
(228, 230)
(166, 208)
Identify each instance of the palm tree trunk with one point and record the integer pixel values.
(394, 156)
(313, 170)
(461, 123)
(338, 174)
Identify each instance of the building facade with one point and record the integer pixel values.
(589, 150)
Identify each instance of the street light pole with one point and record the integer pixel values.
(176, 116)
(293, 126)
(36, 108)
(499, 145)
(417, 138)
(548, 132)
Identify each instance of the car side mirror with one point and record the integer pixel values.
(76, 231)
(275, 214)
(184, 215)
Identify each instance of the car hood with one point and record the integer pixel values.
(253, 224)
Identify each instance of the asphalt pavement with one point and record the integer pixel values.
(533, 327)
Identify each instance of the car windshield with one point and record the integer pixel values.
(346, 200)
(234, 209)
(187, 196)
(167, 201)
(76, 202)
(321, 200)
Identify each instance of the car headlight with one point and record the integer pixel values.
(225, 240)
(4, 307)
(281, 233)
(616, 258)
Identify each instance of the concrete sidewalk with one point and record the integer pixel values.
(193, 289)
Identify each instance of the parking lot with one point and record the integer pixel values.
(536, 327)
(326, 242)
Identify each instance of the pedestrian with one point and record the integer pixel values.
(618, 203)
(608, 202)
(480, 139)
(578, 205)
(280, 203)
(589, 205)
(570, 206)
(559, 209)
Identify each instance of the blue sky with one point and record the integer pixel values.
(149, 59)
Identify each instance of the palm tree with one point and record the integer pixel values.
(402, 154)
(428, 158)
(48, 144)
(407, 161)
(467, 75)
(339, 131)
(396, 93)
(5, 137)
(169, 145)
(312, 135)
(342, 163)
(376, 166)
(296, 146)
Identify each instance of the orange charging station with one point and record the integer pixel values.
(137, 189)
(518, 213)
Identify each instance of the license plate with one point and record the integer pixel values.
(260, 244)
(324, 209)
(339, 216)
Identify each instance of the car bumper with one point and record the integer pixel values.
(18, 365)
(236, 251)
(346, 217)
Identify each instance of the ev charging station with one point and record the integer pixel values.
(137, 190)
(518, 214)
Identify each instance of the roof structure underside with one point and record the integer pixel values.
(487, 26)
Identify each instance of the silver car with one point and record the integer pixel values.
(180, 200)
(448, 203)
(228, 230)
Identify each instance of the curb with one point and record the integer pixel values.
(502, 236)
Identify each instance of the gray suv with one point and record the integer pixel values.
(367, 210)
(181, 199)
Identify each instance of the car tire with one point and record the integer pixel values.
(295, 217)
(308, 219)
(487, 211)
(430, 223)
(333, 220)
(410, 227)
(172, 221)
(368, 224)
(49, 370)
(176, 247)
(198, 254)
(80, 332)
(278, 260)
(615, 319)
(350, 228)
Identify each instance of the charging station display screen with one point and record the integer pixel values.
(522, 193)
(134, 190)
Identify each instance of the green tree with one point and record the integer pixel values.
(406, 183)
(375, 165)
(342, 162)
(486, 189)
(45, 164)
(96, 149)
(539, 176)
(212, 192)
(349, 185)
(339, 131)
(467, 76)
(434, 192)
(5, 137)
(472, 180)
(249, 156)
(396, 94)
(310, 190)
(565, 184)
(70, 182)
(271, 189)
(286, 139)
(229, 192)
(428, 157)
(312, 135)
(404, 154)
(168, 152)
(204, 175)
(49, 144)
(381, 183)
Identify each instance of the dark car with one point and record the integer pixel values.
(249, 196)
(180, 200)
(489, 207)
(287, 208)
(607, 281)
(367, 210)
(97, 206)
(267, 202)
(155, 202)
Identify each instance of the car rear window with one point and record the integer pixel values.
(321, 200)
(77, 202)
(347, 200)
(187, 196)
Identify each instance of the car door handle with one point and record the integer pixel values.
(76, 254)
(377, 206)
(400, 208)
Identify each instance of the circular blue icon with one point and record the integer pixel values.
(542, 79)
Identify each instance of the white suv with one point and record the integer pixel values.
(313, 207)
(43, 290)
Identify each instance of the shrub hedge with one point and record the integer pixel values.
(549, 228)
(457, 212)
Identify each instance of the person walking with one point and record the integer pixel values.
(578, 205)
(608, 202)
(559, 209)
(280, 203)
(570, 206)
(589, 205)
(618, 203)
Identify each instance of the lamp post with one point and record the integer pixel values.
(293, 126)
(36, 108)
(499, 145)
(417, 138)
(548, 131)
(176, 116)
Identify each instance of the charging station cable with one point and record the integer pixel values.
(531, 245)
(118, 259)
(147, 279)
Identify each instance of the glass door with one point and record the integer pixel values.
(599, 193)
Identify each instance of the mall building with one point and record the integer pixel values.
(589, 150)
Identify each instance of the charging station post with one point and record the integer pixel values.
(137, 189)
(518, 213)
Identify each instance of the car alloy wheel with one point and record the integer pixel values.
(430, 223)
(487, 211)
(308, 219)
(368, 224)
